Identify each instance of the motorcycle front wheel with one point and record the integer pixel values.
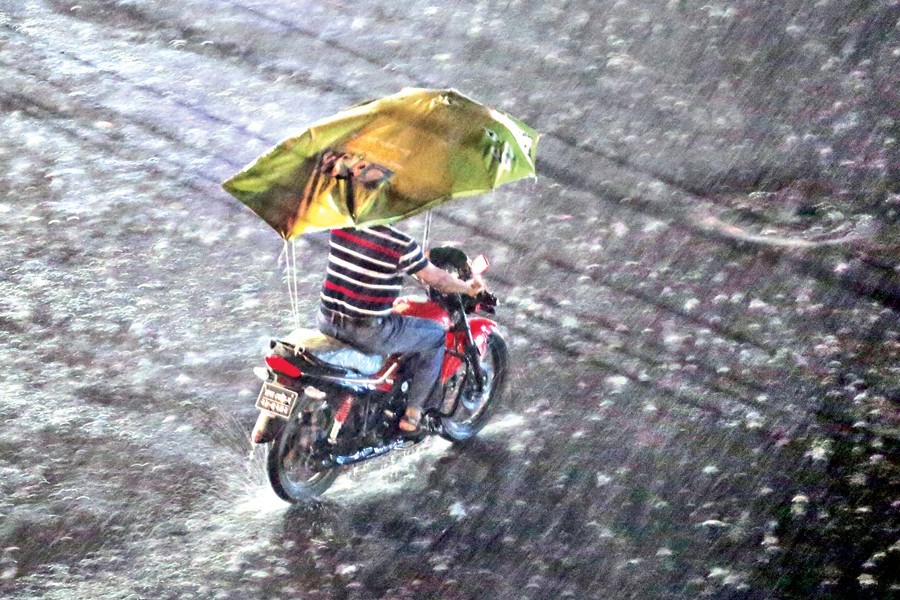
(473, 409)
(291, 457)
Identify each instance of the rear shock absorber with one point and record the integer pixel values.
(339, 419)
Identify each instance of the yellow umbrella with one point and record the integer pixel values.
(385, 160)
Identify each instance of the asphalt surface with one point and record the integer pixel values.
(700, 293)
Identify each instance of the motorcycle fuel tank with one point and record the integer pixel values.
(414, 306)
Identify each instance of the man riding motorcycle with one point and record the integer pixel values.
(364, 277)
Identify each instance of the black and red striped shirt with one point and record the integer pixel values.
(366, 268)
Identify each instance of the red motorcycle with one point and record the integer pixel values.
(325, 405)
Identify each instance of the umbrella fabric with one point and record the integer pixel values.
(385, 160)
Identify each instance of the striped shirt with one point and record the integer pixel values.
(366, 268)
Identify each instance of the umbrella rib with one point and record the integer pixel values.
(311, 189)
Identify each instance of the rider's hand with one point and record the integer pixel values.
(476, 286)
(446, 282)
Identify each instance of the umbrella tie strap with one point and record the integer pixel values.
(290, 268)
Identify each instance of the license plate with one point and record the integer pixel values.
(276, 400)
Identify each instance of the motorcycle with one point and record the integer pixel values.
(325, 405)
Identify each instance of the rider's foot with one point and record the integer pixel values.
(410, 425)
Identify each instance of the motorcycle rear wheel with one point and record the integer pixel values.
(472, 412)
(290, 462)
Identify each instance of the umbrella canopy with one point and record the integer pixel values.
(385, 160)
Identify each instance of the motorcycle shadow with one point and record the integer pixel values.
(405, 515)
(480, 451)
(305, 522)
(384, 479)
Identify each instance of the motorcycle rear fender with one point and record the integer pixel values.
(267, 428)
(268, 425)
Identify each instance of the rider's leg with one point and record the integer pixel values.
(422, 340)
(424, 360)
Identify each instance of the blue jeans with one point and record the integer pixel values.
(420, 340)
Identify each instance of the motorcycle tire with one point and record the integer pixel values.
(472, 414)
(289, 456)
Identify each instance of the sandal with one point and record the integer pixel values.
(410, 426)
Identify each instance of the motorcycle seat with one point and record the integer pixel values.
(334, 351)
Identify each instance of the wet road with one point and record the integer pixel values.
(699, 291)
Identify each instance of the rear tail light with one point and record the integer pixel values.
(281, 365)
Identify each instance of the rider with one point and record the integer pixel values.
(364, 276)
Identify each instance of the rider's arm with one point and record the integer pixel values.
(446, 282)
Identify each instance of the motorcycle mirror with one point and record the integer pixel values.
(480, 264)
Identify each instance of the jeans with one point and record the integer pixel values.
(420, 340)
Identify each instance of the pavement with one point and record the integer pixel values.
(700, 294)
